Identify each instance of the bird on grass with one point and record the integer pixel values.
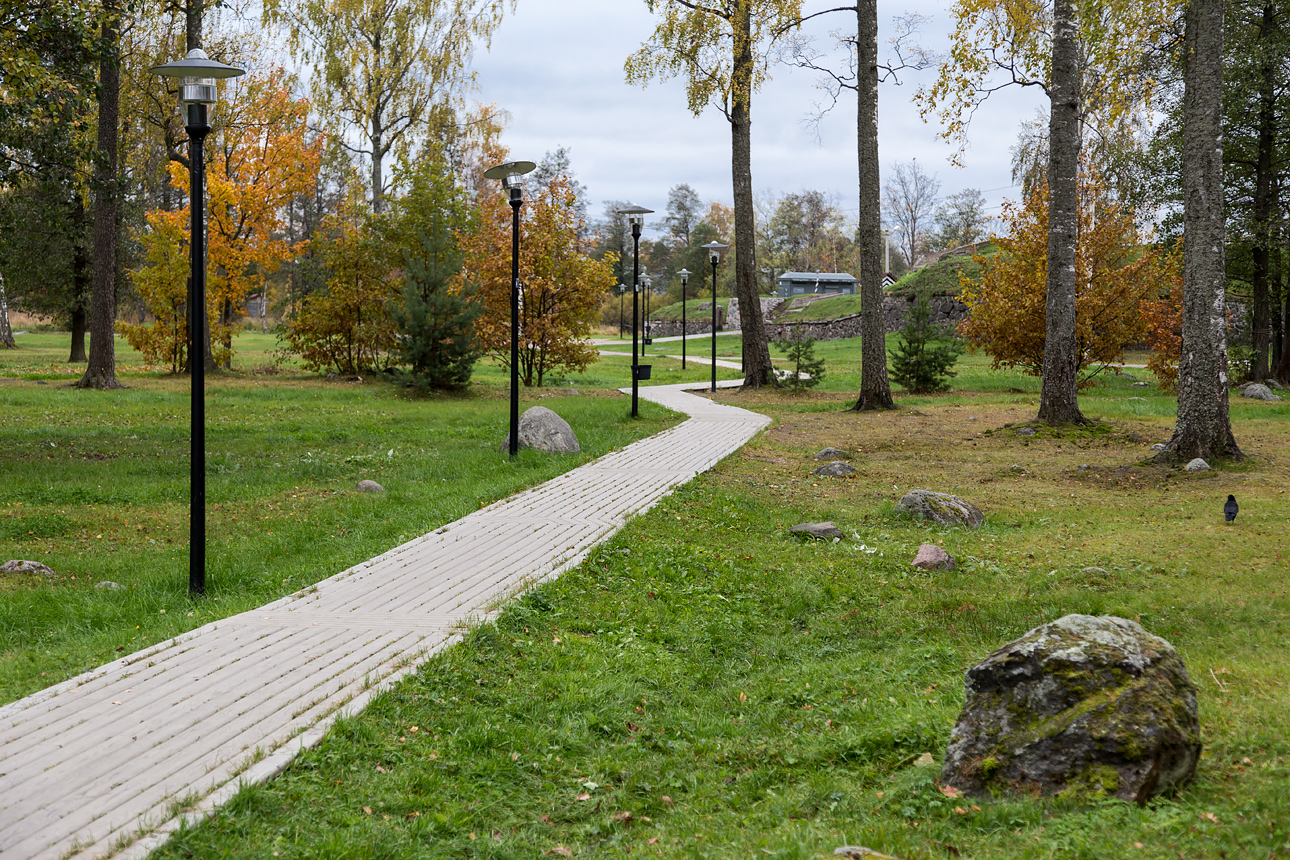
(1230, 509)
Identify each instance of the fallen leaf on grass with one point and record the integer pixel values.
(622, 817)
(544, 818)
(367, 810)
(562, 851)
(960, 810)
(950, 791)
(667, 801)
(583, 796)
(652, 840)
(1209, 816)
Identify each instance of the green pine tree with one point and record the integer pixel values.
(807, 369)
(436, 322)
(924, 357)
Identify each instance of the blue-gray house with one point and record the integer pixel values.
(815, 283)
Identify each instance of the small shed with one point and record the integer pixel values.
(815, 283)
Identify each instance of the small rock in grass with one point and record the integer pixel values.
(369, 487)
(23, 566)
(859, 851)
(1197, 465)
(823, 531)
(1094, 571)
(1141, 384)
(1159, 446)
(1026, 431)
(109, 585)
(925, 760)
(1018, 470)
(932, 557)
(836, 469)
(833, 454)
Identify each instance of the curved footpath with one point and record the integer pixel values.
(102, 765)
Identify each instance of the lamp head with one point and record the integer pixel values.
(714, 250)
(512, 176)
(635, 217)
(685, 276)
(197, 75)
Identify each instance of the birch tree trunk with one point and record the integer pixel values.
(1058, 402)
(1204, 427)
(6, 332)
(875, 390)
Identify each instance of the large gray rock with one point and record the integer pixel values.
(836, 469)
(1196, 465)
(832, 454)
(1087, 704)
(19, 565)
(366, 486)
(1259, 391)
(942, 509)
(543, 430)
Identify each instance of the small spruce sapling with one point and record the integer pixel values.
(437, 321)
(924, 357)
(807, 369)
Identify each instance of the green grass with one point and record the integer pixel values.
(706, 685)
(942, 277)
(96, 487)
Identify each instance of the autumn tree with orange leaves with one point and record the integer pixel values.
(262, 155)
(562, 287)
(1115, 276)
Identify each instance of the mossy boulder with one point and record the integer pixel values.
(942, 509)
(1088, 705)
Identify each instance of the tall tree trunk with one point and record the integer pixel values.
(756, 349)
(875, 390)
(193, 10)
(1204, 428)
(1283, 279)
(1058, 401)
(82, 288)
(79, 324)
(378, 138)
(1264, 175)
(101, 372)
(6, 332)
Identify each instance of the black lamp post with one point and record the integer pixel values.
(512, 176)
(714, 250)
(622, 289)
(685, 279)
(635, 217)
(197, 91)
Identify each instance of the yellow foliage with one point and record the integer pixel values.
(1114, 277)
(260, 158)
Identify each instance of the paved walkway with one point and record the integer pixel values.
(103, 764)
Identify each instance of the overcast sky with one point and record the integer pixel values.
(557, 67)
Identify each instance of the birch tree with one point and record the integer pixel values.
(1087, 58)
(383, 68)
(722, 49)
(1204, 427)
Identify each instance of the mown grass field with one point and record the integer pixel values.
(706, 685)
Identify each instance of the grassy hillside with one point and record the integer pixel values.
(942, 277)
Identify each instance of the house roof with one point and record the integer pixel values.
(823, 277)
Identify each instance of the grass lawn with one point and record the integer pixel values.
(96, 487)
(706, 685)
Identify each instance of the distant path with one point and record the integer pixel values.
(92, 767)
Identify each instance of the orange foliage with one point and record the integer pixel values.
(562, 287)
(260, 156)
(1114, 277)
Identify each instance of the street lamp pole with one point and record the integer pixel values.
(714, 250)
(647, 328)
(197, 90)
(685, 279)
(622, 289)
(512, 176)
(636, 217)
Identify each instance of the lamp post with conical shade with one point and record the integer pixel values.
(714, 250)
(197, 75)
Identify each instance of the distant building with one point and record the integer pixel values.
(815, 283)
